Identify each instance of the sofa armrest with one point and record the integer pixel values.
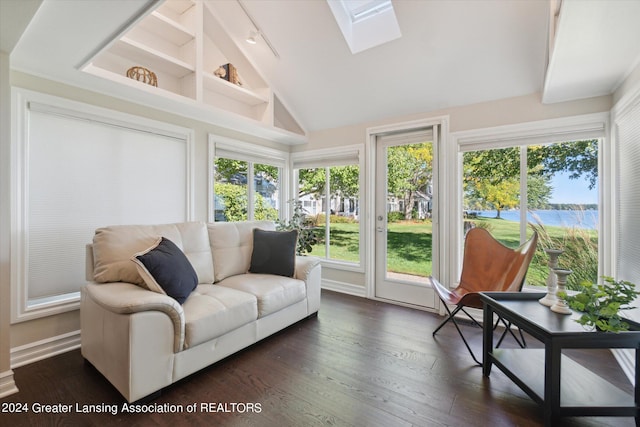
(308, 269)
(304, 266)
(127, 298)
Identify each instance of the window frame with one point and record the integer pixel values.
(588, 126)
(253, 154)
(325, 158)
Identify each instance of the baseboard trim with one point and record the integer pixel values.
(43, 349)
(344, 288)
(7, 384)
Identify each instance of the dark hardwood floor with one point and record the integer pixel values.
(359, 363)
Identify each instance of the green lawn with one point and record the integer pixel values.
(409, 247)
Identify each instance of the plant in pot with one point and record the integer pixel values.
(307, 235)
(601, 304)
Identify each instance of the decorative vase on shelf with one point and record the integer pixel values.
(143, 75)
(560, 306)
(550, 298)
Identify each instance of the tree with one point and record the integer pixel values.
(503, 194)
(410, 173)
(579, 158)
(492, 177)
(228, 170)
(485, 170)
(312, 182)
(233, 199)
(538, 192)
(343, 182)
(230, 188)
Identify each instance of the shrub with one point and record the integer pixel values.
(484, 224)
(319, 219)
(234, 201)
(395, 216)
(307, 236)
(580, 254)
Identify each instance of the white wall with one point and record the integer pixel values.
(7, 385)
(521, 109)
(515, 110)
(30, 340)
(629, 85)
(489, 114)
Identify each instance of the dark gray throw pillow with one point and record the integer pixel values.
(166, 269)
(274, 252)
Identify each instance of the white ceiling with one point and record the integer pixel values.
(451, 53)
(596, 46)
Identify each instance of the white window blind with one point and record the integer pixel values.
(537, 133)
(249, 153)
(628, 209)
(414, 137)
(77, 172)
(323, 158)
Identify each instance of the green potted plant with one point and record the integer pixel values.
(601, 303)
(307, 235)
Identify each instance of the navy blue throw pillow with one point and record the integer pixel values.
(274, 252)
(166, 269)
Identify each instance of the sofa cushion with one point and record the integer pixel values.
(212, 310)
(273, 292)
(165, 269)
(232, 244)
(274, 252)
(114, 246)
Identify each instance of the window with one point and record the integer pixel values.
(60, 144)
(556, 187)
(545, 178)
(245, 186)
(328, 187)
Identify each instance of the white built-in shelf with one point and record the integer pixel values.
(123, 80)
(154, 60)
(176, 8)
(166, 28)
(230, 90)
(183, 42)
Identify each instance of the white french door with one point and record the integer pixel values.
(405, 200)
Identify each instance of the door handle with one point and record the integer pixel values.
(380, 229)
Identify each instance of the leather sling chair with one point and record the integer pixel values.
(487, 265)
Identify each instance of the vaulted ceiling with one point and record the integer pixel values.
(450, 53)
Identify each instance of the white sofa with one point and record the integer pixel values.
(142, 341)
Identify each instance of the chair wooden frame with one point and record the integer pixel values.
(487, 265)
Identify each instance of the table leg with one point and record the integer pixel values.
(637, 386)
(552, 355)
(487, 339)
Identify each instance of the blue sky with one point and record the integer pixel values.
(567, 190)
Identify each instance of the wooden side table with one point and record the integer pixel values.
(560, 385)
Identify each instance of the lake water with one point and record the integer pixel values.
(559, 218)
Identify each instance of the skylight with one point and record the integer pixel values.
(359, 10)
(365, 23)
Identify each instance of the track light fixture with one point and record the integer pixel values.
(252, 39)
